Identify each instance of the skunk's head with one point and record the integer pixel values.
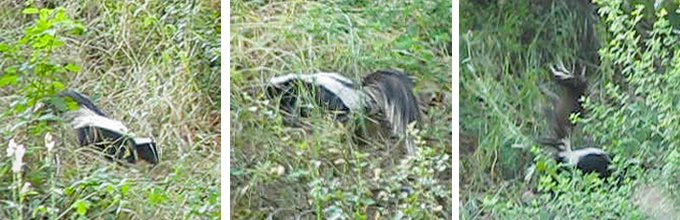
(146, 149)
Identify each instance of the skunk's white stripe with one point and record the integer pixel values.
(576, 155)
(306, 77)
(573, 156)
(85, 117)
(140, 140)
(560, 74)
(566, 145)
(333, 82)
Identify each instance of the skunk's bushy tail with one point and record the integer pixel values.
(390, 96)
(573, 87)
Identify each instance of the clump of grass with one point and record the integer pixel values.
(151, 65)
(278, 171)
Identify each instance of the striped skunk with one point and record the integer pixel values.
(386, 97)
(588, 159)
(94, 128)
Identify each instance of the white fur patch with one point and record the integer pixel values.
(145, 140)
(560, 74)
(333, 82)
(573, 157)
(84, 117)
(566, 145)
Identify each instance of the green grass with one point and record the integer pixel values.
(278, 171)
(505, 49)
(154, 66)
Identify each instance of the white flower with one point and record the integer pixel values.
(12, 147)
(49, 142)
(18, 158)
(25, 188)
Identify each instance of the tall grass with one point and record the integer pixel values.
(504, 50)
(153, 65)
(278, 171)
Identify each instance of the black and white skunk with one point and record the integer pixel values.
(386, 97)
(94, 128)
(589, 159)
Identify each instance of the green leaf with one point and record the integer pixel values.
(58, 86)
(60, 16)
(44, 12)
(73, 68)
(59, 103)
(81, 207)
(72, 105)
(154, 197)
(148, 21)
(49, 117)
(11, 70)
(4, 48)
(69, 191)
(124, 189)
(8, 79)
(30, 11)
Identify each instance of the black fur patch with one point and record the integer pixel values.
(290, 94)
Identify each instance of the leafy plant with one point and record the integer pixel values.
(33, 73)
